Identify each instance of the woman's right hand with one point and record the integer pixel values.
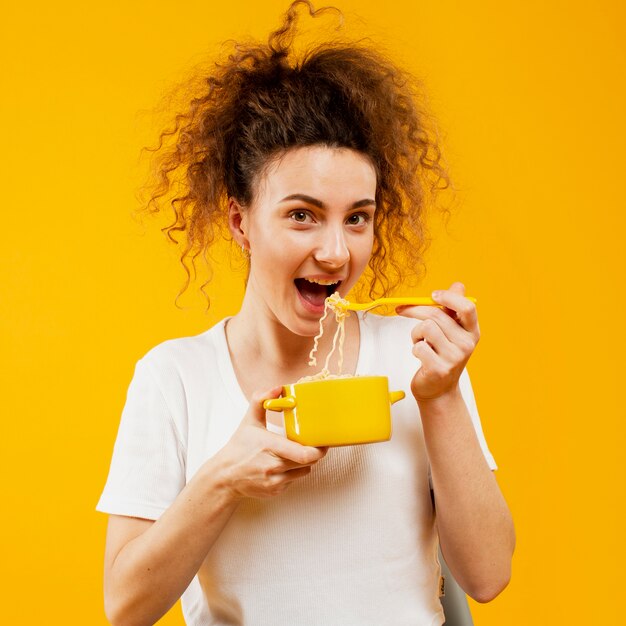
(257, 463)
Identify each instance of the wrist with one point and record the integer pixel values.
(441, 402)
(214, 481)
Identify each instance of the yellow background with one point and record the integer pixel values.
(531, 100)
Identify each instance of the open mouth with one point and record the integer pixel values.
(314, 292)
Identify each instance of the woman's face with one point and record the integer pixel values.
(312, 222)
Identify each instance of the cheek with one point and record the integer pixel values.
(275, 257)
(365, 248)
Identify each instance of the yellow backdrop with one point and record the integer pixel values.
(531, 100)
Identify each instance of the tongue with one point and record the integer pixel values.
(312, 292)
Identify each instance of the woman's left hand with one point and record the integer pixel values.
(443, 340)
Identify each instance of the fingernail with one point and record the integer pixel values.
(436, 295)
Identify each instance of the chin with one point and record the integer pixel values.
(304, 328)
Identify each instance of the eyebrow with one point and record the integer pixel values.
(321, 205)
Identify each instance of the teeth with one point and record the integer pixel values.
(321, 282)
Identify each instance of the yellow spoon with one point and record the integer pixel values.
(366, 306)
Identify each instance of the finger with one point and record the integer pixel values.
(278, 483)
(422, 311)
(292, 451)
(411, 310)
(464, 317)
(453, 331)
(430, 331)
(461, 309)
(427, 356)
(256, 412)
(284, 465)
(299, 472)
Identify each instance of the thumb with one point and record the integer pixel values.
(256, 412)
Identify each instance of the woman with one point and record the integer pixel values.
(313, 167)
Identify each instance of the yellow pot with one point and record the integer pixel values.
(337, 411)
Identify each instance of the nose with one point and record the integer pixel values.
(333, 249)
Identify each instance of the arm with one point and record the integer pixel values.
(473, 520)
(149, 564)
(474, 523)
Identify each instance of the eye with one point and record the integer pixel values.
(358, 219)
(299, 216)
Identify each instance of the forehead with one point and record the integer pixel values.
(334, 175)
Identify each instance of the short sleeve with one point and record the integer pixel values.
(468, 395)
(147, 469)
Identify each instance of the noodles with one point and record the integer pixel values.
(338, 340)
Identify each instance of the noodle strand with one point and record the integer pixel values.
(341, 312)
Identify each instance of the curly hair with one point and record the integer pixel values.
(265, 99)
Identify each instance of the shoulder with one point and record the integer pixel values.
(178, 373)
(181, 368)
(181, 353)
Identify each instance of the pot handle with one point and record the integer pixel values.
(280, 404)
(394, 396)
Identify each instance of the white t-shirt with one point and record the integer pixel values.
(353, 543)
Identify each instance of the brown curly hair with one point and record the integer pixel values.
(264, 99)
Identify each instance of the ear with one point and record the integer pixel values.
(238, 223)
